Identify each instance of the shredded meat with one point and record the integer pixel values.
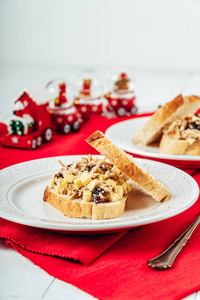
(185, 128)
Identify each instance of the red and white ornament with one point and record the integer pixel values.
(121, 99)
(88, 95)
(63, 113)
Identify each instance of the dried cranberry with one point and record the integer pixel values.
(59, 175)
(104, 169)
(97, 195)
(96, 199)
(89, 168)
(98, 191)
(68, 166)
(194, 125)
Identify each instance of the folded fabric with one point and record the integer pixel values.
(81, 248)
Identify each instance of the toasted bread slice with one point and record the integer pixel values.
(178, 107)
(78, 208)
(128, 166)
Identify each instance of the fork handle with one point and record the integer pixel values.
(165, 260)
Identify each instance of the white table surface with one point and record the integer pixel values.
(20, 279)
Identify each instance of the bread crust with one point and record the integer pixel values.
(172, 146)
(127, 165)
(81, 209)
(178, 107)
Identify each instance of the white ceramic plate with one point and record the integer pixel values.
(122, 135)
(22, 187)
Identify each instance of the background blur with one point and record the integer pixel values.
(158, 41)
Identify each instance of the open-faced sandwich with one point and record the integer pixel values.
(98, 188)
(175, 109)
(182, 136)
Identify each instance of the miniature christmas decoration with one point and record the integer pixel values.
(121, 101)
(86, 90)
(61, 99)
(64, 114)
(65, 119)
(30, 124)
(88, 95)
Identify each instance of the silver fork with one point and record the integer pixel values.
(165, 260)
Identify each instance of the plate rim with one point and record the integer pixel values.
(166, 157)
(96, 227)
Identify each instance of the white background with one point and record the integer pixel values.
(157, 40)
(154, 34)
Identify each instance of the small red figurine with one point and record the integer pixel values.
(30, 125)
(61, 99)
(86, 90)
(121, 102)
(89, 101)
(121, 85)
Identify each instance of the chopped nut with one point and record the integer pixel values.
(61, 186)
(115, 170)
(126, 187)
(121, 180)
(118, 189)
(51, 183)
(69, 178)
(101, 177)
(111, 182)
(85, 178)
(78, 183)
(87, 195)
(92, 184)
(115, 197)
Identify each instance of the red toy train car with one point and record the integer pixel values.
(65, 119)
(121, 104)
(121, 100)
(30, 125)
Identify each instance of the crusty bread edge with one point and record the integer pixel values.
(81, 209)
(191, 99)
(172, 146)
(152, 130)
(127, 165)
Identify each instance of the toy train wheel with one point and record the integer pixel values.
(33, 144)
(133, 110)
(66, 128)
(39, 141)
(47, 135)
(76, 125)
(121, 112)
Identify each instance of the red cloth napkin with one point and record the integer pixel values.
(111, 266)
(83, 249)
